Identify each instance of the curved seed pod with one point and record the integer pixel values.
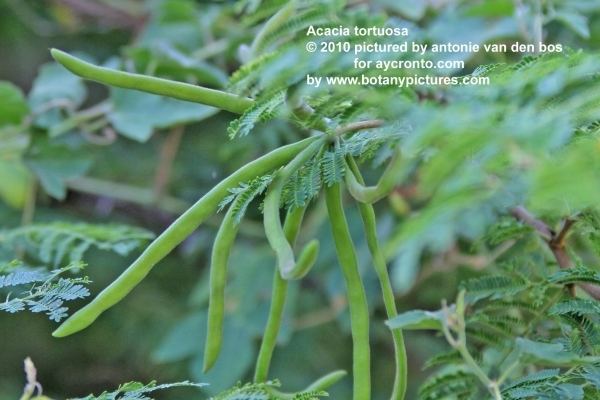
(357, 300)
(164, 87)
(286, 261)
(221, 250)
(291, 226)
(307, 259)
(326, 381)
(367, 214)
(175, 234)
(386, 183)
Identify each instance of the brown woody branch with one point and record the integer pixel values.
(556, 243)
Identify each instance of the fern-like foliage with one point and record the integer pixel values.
(575, 275)
(333, 166)
(317, 13)
(551, 384)
(456, 384)
(264, 391)
(367, 144)
(241, 196)
(576, 306)
(506, 229)
(494, 287)
(138, 391)
(262, 110)
(243, 81)
(39, 290)
(56, 242)
(304, 185)
(446, 358)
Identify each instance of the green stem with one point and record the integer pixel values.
(367, 214)
(460, 344)
(357, 299)
(128, 193)
(291, 227)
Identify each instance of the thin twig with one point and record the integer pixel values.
(30, 204)
(322, 316)
(168, 153)
(105, 14)
(521, 214)
(359, 126)
(556, 244)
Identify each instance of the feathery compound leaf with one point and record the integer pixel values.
(576, 306)
(264, 391)
(534, 378)
(52, 243)
(506, 229)
(574, 275)
(294, 193)
(15, 274)
(241, 197)
(545, 353)
(502, 325)
(447, 358)
(447, 385)
(333, 167)
(43, 291)
(304, 185)
(262, 110)
(243, 81)
(319, 13)
(138, 391)
(365, 144)
(493, 286)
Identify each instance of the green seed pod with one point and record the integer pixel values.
(367, 214)
(164, 87)
(291, 227)
(175, 234)
(218, 279)
(288, 267)
(386, 183)
(357, 299)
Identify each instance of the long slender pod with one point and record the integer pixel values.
(367, 214)
(357, 300)
(164, 87)
(175, 234)
(291, 226)
(286, 262)
(221, 250)
(386, 183)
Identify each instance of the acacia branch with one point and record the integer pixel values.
(556, 243)
(521, 214)
(359, 125)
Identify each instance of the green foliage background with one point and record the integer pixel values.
(115, 171)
